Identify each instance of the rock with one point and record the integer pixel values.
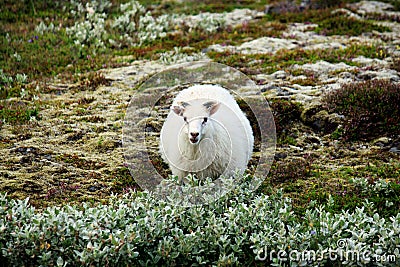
(348, 13)
(295, 148)
(395, 150)
(382, 142)
(279, 7)
(280, 155)
(239, 16)
(274, 91)
(327, 45)
(324, 67)
(309, 141)
(346, 75)
(366, 75)
(301, 27)
(270, 87)
(281, 75)
(386, 74)
(309, 111)
(365, 7)
(263, 45)
(320, 120)
(266, 45)
(263, 79)
(282, 6)
(303, 98)
(313, 140)
(26, 150)
(395, 147)
(302, 32)
(131, 75)
(234, 18)
(371, 62)
(93, 188)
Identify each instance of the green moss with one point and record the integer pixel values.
(311, 80)
(123, 180)
(290, 170)
(337, 133)
(79, 162)
(93, 119)
(303, 180)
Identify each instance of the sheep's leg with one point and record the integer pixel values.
(178, 172)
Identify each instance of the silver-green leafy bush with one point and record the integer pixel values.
(378, 186)
(177, 56)
(90, 30)
(4, 78)
(94, 27)
(241, 228)
(42, 28)
(77, 8)
(136, 26)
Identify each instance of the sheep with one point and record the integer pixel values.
(206, 134)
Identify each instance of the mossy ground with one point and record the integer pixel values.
(61, 129)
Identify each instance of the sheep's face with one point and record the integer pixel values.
(196, 115)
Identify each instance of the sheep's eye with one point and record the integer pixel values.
(205, 119)
(185, 119)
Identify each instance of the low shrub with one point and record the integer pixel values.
(290, 170)
(285, 113)
(91, 81)
(329, 22)
(339, 24)
(242, 228)
(371, 108)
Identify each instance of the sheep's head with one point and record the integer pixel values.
(196, 115)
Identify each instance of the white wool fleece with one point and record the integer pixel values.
(206, 134)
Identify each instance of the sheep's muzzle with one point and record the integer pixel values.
(193, 140)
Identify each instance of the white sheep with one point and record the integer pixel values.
(206, 134)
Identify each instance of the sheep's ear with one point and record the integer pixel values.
(183, 104)
(180, 108)
(212, 106)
